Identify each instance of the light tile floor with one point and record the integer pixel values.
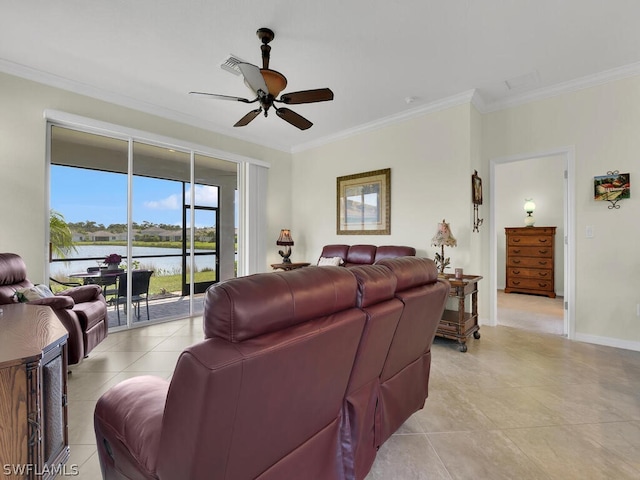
(518, 404)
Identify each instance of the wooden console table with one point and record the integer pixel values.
(460, 324)
(34, 442)
(288, 266)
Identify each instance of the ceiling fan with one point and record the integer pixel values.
(267, 85)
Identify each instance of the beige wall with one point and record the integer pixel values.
(23, 182)
(602, 123)
(431, 159)
(430, 166)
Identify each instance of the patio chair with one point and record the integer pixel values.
(139, 291)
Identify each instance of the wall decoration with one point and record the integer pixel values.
(612, 187)
(364, 203)
(476, 198)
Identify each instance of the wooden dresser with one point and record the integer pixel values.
(33, 392)
(530, 258)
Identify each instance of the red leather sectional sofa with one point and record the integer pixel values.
(303, 374)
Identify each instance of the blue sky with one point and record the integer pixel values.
(82, 194)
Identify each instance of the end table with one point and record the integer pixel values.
(460, 324)
(288, 266)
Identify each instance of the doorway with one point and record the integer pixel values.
(556, 207)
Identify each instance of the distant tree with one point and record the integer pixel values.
(60, 235)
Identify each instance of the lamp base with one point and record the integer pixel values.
(529, 221)
(285, 255)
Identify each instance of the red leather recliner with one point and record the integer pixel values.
(82, 310)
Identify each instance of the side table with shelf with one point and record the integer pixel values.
(288, 266)
(459, 324)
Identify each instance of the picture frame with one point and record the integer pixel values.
(476, 188)
(612, 187)
(364, 203)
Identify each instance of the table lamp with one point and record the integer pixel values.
(285, 240)
(529, 207)
(443, 237)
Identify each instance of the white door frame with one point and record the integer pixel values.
(568, 155)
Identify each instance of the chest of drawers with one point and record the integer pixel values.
(529, 260)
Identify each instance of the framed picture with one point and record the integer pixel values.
(476, 188)
(364, 203)
(612, 186)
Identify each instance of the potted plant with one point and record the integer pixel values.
(113, 261)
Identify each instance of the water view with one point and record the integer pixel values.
(147, 258)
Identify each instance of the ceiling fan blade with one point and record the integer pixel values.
(293, 118)
(248, 117)
(253, 77)
(307, 96)
(222, 97)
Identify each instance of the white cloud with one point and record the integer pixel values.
(172, 202)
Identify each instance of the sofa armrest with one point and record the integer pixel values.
(83, 293)
(56, 302)
(128, 424)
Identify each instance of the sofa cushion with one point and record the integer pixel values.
(279, 300)
(330, 262)
(376, 283)
(36, 292)
(410, 273)
(336, 250)
(393, 251)
(361, 255)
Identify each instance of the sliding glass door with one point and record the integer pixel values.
(134, 201)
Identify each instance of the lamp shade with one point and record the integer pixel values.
(285, 237)
(529, 205)
(443, 236)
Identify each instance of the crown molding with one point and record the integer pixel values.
(443, 104)
(80, 88)
(589, 81)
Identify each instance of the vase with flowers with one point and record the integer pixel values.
(113, 261)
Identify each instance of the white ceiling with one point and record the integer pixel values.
(373, 54)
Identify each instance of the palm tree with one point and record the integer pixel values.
(60, 236)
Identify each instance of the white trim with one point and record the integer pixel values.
(443, 104)
(80, 88)
(608, 341)
(90, 125)
(565, 87)
(568, 153)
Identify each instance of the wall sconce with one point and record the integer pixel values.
(443, 237)
(285, 240)
(529, 207)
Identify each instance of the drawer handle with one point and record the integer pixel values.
(542, 263)
(516, 240)
(516, 272)
(543, 274)
(516, 261)
(542, 285)
(542, 252)
(543, 240)
(516, 251)
(516, 283)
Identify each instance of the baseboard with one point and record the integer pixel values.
(607, 341)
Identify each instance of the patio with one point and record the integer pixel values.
(161, 307)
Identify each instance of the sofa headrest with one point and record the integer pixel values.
(335, 251)
(12, 269)
(245, 307)
(361, 254)
(411, 271)
(393, 251)
(375, 284)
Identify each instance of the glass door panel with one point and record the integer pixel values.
(157, 228)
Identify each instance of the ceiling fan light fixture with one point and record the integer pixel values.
(276, 82)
